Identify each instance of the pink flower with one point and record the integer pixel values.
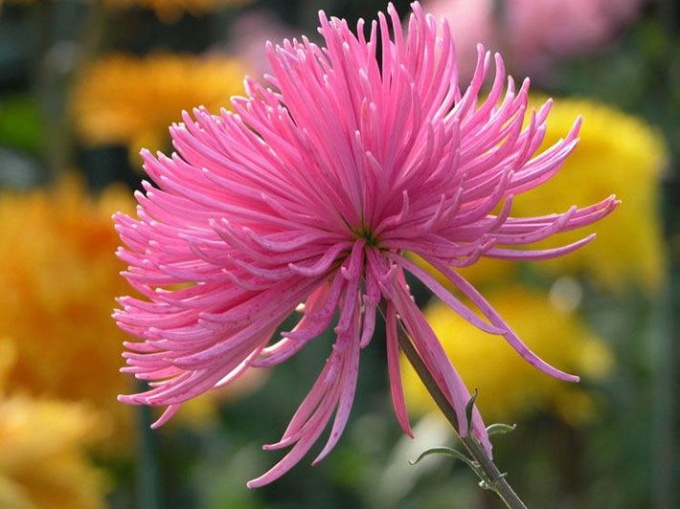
(472, 22)
(534, 32)
(311, 192)
(539, 31)
(247, 34)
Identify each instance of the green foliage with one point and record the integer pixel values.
(20, 127)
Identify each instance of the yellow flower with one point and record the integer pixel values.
(509, 388)
(43, 464)
(170, 10)
(131, 101)
(617, 154)
(60, 278)
(7, 359)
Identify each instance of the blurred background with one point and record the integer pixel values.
(84, 85)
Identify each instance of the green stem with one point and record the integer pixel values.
(62, 58)
(148, 475)
(496, 480)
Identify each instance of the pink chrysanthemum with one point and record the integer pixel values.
(311, 192)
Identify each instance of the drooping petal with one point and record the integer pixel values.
(437, 363)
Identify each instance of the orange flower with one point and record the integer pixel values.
(131, 101)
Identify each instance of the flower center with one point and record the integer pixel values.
(366, 234)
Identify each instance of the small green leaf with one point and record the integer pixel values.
(500, 429)
(456, 454)
(487, 484)
(468, 411)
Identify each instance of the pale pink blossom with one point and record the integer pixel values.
(312, 190)
(472, 22)
(539, 31)
(248, 33)
(534, 33)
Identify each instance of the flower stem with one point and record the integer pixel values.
(148, 476)
(496, 480)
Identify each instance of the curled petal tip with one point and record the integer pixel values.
(127, 399)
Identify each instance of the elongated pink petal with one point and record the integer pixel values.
(394, 369)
